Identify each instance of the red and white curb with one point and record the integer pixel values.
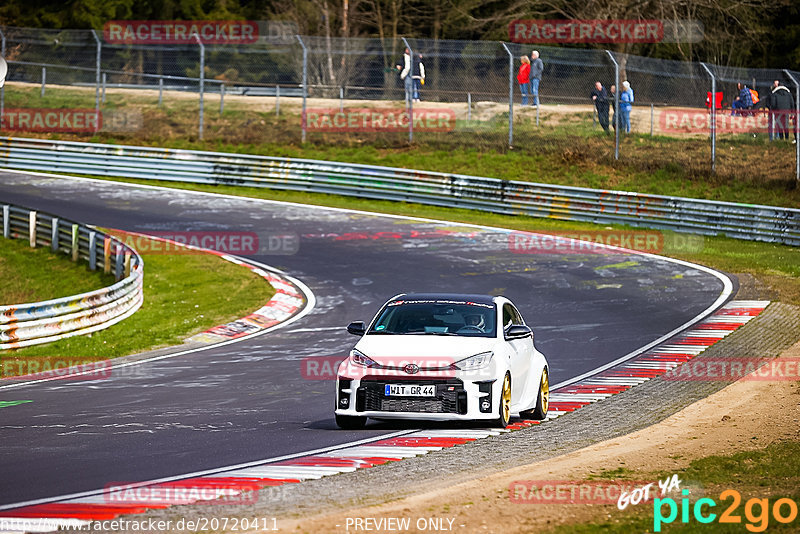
(287, 301)
(231, 486)
(656, 361)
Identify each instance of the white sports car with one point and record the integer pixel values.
(442, 357)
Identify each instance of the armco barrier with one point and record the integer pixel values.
(742, 221)
(41, 322)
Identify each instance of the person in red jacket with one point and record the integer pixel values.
(524, 79)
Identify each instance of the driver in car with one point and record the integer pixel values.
(475, 320)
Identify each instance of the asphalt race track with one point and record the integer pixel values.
(249, 401)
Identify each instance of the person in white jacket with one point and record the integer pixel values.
(418, 74)
(406, 76)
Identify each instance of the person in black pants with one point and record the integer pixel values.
(600, 99)
(781, 105)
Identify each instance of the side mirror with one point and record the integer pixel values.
(518, 331)
(357, 328)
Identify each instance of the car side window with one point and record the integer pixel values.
(508, 315)
(517, 317)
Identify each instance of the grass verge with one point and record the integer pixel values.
(34, 275)
(183, 294)
(564, 149)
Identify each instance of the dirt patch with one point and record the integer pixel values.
(719, 424)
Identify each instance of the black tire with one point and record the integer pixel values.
(542, 401)
(504, 403)
(350, 422)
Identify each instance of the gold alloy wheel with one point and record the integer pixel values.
(505, 400)
(545, 392)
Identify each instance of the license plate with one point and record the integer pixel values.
(405, 390)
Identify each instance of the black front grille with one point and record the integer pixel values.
(450, 398)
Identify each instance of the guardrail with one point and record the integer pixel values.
(742, 221)
(22, 325)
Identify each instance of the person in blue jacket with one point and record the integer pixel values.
(625, 105)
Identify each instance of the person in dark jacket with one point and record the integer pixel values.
(600, 99)
(781, 105)
(612, 99)
(537, 67)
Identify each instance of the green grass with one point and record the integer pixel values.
(183, 294)
(563, 150)
(770, 473)
(34, 275)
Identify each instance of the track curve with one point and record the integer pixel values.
(249, 400)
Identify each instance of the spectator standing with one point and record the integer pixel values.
(600, 99)
(418, 75)
(537, 67)
(782, 105)
(524, 79)
(625, 105)
(612, 99)
(406, 76)
(743, 101)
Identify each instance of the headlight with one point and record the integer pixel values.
(477, 361)
(360, 359)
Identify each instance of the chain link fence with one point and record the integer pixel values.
(461, 95)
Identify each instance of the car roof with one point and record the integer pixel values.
(480, 299)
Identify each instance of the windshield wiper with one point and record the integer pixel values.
(435, 333)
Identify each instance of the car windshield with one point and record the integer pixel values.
(436, 317)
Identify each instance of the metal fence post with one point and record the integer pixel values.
(160, 89)
(305, 87)
(410, 97)
(796, 119)
(202, 83)
(510, 96)
(6, 221)
(103, 97)
(713, 125)
(278, 102)
(616, 104)
(2, 89)
(469, 107)
(221, 98)
(54, 234)
(32, 220)
(44, 79)
(92, 250)
(97, 81)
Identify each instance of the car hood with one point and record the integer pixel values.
(415, 346)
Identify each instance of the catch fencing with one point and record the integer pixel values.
(292, 88)
(742, 221)
(22, 325)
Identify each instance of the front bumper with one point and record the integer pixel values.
(456, 398)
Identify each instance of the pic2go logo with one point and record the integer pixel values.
(756, 511)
